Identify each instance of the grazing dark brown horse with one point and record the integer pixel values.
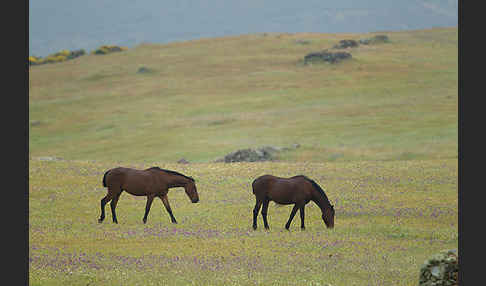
(152, 182)
(298, 190)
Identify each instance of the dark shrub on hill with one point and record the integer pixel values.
(103, 50)
(343, 44)
(75, 54)
(378, 39)
(326, 56)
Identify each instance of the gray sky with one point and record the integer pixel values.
(55, 25)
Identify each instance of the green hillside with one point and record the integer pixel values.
(205, 98)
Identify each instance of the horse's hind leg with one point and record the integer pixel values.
(104, 201)
(264, 213)
(302, 215)
(258, 204)
(113, 203)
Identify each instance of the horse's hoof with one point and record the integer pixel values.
(254, 227)
(100, 220)
(144, 221)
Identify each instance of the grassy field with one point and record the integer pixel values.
(378, 133)
(390, 217)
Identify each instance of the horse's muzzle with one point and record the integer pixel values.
(195, 201)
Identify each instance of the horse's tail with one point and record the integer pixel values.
(104, 178)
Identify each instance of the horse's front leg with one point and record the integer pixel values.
(150, 198)
(165, 200)
(292, 214)
(264, 213)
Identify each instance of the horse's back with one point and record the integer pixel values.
(281, 190)
(121, 175)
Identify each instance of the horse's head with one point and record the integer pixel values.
(191, 191)
(328, 216)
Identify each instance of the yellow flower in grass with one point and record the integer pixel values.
(41, 61)
(33, 60)
(61, 58)
(55, 59)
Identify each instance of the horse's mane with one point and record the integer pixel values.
(316, 186)
(171, 172)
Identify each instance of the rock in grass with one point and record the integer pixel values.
(302, 42)
(375, 40)
(247, 155)
(35, 123)
(326, 56)
(49, 158)
(183, 161)
(440, 270)
(264, 153)
(144, 70)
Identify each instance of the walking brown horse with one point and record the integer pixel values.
(297, 190)
(152, 182)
